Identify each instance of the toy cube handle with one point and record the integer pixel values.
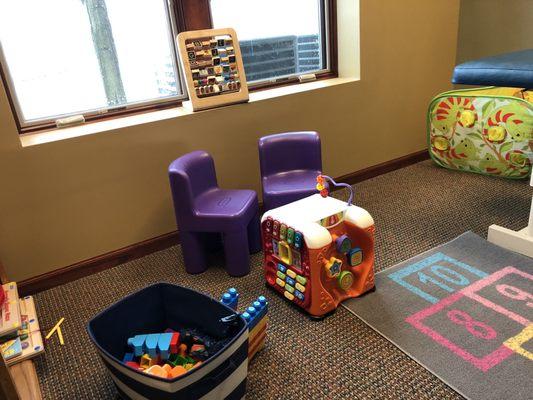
(324, 190)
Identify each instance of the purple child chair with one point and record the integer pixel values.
(290, 163)
(203, 209)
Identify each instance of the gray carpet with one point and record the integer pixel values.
(415, 209)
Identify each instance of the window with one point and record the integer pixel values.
(67, 57)
(101, 58)
(278, 38)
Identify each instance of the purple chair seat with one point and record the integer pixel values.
(290, 163)
(220, 209)
(291, 183)
(203, 211)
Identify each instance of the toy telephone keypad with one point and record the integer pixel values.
(294, 285)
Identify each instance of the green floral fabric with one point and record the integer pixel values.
(475, 131)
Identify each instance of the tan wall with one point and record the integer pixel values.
(491, 27)
(70, 200)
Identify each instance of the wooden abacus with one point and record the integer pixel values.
(214, 72)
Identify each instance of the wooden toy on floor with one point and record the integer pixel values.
(57, 328)
(10, 349)
(27, 342)
(10, 320)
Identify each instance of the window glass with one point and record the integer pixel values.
(277, 37)
(72, 56)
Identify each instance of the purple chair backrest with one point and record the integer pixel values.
(190, 176)
(289, 152)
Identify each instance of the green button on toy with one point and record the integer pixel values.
(300, 279)
(345, 280)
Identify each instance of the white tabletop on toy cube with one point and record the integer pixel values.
(304, 216)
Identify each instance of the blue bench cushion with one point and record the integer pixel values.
(506, 70)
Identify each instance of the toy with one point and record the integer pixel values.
(157, 344)
(29, 336)
(174, 342)
(160, 354)
(133, 364)
(332, 255)
(2, 296)
(10, 349)
(214, 71)
(157, 370)
(150, 345)
(57, 329)
(10, 319)
(177, 371)
(231, 298)
(137, 343)
(176, 309)
(145, 361)
(256, 318)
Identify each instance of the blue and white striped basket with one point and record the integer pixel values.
(153, 309)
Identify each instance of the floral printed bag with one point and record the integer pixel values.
(487, 131)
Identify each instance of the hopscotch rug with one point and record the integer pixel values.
(464, 311)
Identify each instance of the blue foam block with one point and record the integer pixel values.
(137, 344)
(163, 345)
(151, 344)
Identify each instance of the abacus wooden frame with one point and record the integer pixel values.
(203, 103)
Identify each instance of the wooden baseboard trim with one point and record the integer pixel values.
(96, 264)
(138, 250)
(383, 168)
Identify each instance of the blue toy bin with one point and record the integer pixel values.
(154, 309)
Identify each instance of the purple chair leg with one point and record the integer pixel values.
(193, 252)
(254, 235)
(237, 256)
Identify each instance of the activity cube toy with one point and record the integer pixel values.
(331, 257)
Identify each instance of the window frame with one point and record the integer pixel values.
(183, 15)
(99, 114)
(197, 15)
